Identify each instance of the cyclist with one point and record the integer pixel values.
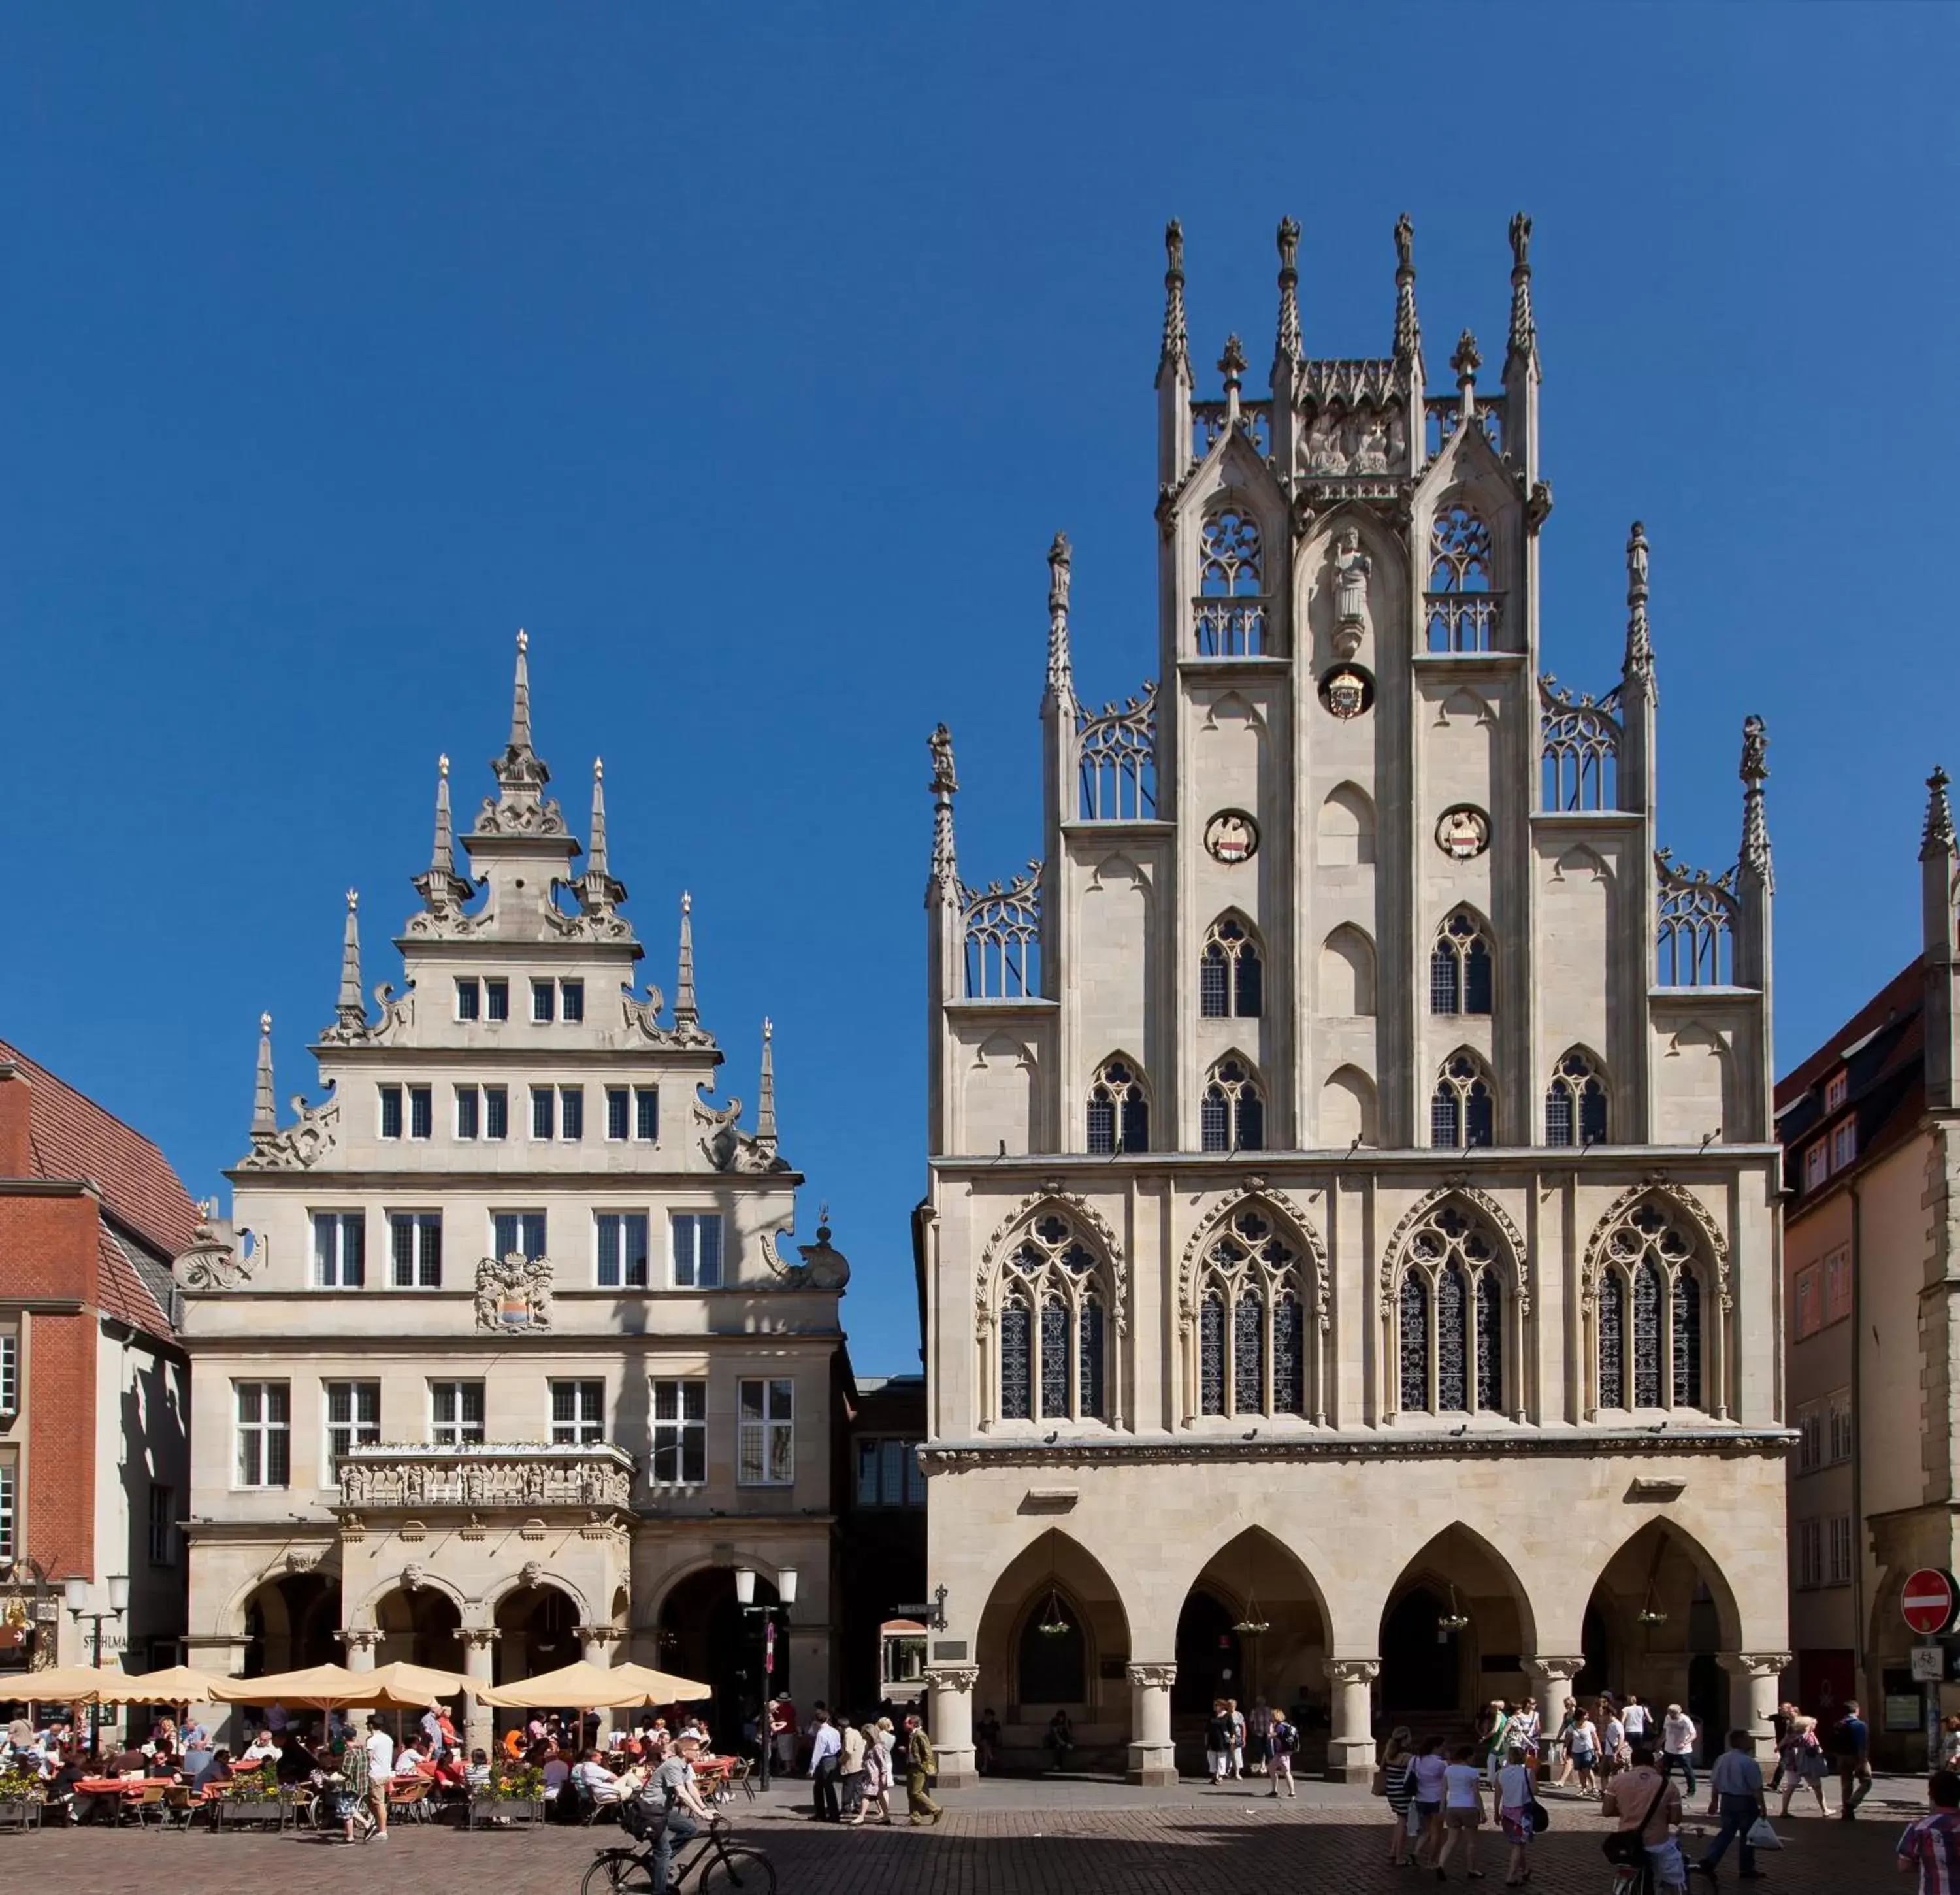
(672, 1787)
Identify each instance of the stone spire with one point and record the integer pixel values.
(765, 1092)
(1639, 663)
(599, 893)
(520, 772)
(1060, 670)
(1938, 840)
(1232, 366)
(1286, 348)
(520, 697)
(944, 882)
(265, 1113)
(1409, 331)
(1523, 343)
(440, 887)
(686, 1013)
(1756, 826)
(1174, 357)
(350, 1013)
(1465, 365)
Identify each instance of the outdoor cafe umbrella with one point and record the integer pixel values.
(323, 1687)
(75, 1684)
(415, 1687)
(179, 1684)
(595, 1687)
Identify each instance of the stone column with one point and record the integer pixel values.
(1350, 1750)
(1551, 1684)
(1752, 1698)
(480, 1725)
(361, 1641)
(1153, 1756)
(225, 1658)
(950, 1721)
(596, 1642)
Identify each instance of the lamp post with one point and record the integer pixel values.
(75, 1591)
(745, 1596)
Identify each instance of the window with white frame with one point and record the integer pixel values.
(1843, 1144)
(622, 1237)
(1816, 1165)
(9, 1514)
(888, 1474)
(647, 1114)
(619, 1113)
(496, 999)
(1839, 1572)
(765, 1452)
(1837, 1283)
(1809, 1301)
(1809, 1440)
(572, 1001)
(696, 1240)
(353, 1419)
(543, 1009)
(1809, 1549)
(632, 1112)
(340, 1249)
(264, 1425)
(390, 1101)
(456, 1413)
(578, 1413)
(1837, 1089)
(415, 1243)
(544, 1114)
(680, 1431)
(1841, 1434)
(496, 1113)
(519, 1232)
(571, 1112)
(163, 1524)
(469, 1112)
(468, 997)
(10, 1371)
(421, 1111)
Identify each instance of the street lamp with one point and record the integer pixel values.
(75, 1592)
(745, 1597)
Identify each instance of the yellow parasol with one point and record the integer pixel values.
(176, 1684)
(74, 1684)
(324, 1687)
(416, 1687)
(595, 1687)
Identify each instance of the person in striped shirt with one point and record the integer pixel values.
(1932, 1845)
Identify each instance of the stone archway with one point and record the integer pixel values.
(420, 1625)
(290, 1623)
(538, 1632)
(1435, 1673)
(704, 1634)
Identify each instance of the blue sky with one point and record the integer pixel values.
(750, 357)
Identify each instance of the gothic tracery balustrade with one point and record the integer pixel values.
(1230, 614)
(1579, 748)
(1209, 420)
(1117, 760)
(1461, 612)
(1443, 414)
(1003, 935)
(1694, 924)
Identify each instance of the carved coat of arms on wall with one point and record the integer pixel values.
(513, 1292)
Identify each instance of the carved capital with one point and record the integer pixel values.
(1351, 1670)
(599, 1635)
(952, 1677)
(359, 1638)
(1153, 1678)
(479, 1637)
(1754, 1664)
(1545, 1671)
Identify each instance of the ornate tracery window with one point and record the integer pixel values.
(1253, 1288)
(1462, 609)
(1575, 1103)
(1230, 611)
(1229, 973)
(1232, 1115)
(1650, 1351)
(1462, 1110)
(1051, 1334)
(1119, 1109)
(1451, 1312)
(1460, 966)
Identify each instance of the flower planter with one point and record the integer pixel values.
(19, 1812)
(487, 1812)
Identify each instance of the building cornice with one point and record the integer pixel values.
(50, 1188)
(1518, 1163)
(675, 1184)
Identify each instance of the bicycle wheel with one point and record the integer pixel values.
(737, 1871)
(618, 1872)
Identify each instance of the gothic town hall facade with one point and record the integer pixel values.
(1350, 1239)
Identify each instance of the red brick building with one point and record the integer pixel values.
(94, 1408)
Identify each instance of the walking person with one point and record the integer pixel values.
(1586, 1752)
(877, 1787)
(1612, 1744)
(1431, 1772)
(1218, 1742)
(826, 1748)
(1852, 1746)
(1781, 1718)
(1637, 1718)
(672, 1790)
(1932, 1845)
(381, 1748)
(1238, 1737)
(850, 1773)
(920, 1763)
(1561, 1742)
(1060, 1738)
(1462, 1812)
(1677, 1744)
(1398, 1786)
(1515, 1781)
(1801, 1763)
(1735, 1789)
(1640, 1797)
(1258, 1735)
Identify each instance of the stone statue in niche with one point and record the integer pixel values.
(1351, 569)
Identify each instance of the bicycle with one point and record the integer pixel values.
(718, 1868)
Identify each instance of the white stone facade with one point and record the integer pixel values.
(1353, 1195)
(574, 1383)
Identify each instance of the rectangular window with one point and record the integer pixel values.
(163, 1525)
(619, 1106)
(543, 1100)
(571, 1112)
(1840, 1572)
(10, 1372)
(1837, 1089)
(264, 1411)
(887, 1473)
(543, 1011)
(421, 1111)
(1816, 1165)
(468, 998)
(456, 1413)
(571, 1001)
(1841, 1434)
(622, 1250)
(353, 1419)
(468, 1105)
(340, 1249)
(496, 1113)
(521, 1231)
(578, 1413)
(1809, 1552)
(496, 1000)
(765, 1452)
(1810, 1304)
(1843, 1144)
(414, 1241)
(680, 1433)
(647, 1114)
(9, 1516)
(1837, 1283)
(697, 1250)
(1810, 1441)
(391, 1111)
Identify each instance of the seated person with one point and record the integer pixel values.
(408, 1761)
(129, 1763)
(447, 1769)
(593, 1777)
(514, 1742)
(263, 1749)
(478, 1774)
(217, 1769)
(555, 1769)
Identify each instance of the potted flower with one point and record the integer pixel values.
(516, 1791)
(22, 1793)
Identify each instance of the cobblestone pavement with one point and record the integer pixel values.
(1099, 1841)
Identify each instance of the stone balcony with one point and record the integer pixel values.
(378, 1476)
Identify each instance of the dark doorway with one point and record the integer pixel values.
(1596, 1674)
(1708, 1704)
(1421, 1667)
(1053, 1667)
(704, 1634)
(1209, 1664)
(538, 1625)
(289, 1625)
(420, 1627)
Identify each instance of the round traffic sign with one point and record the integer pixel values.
(1928, 1600)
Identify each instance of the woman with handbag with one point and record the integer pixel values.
(1586, 1752)
(1561, 1742)
(1514, 1782)
(1805, 1765)
(1397, 1776)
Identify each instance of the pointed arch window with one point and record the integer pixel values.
(1462, 1109)
(1229, 613)
(1452, 1312)
(1460, 966)
(1649, 1347)
(1230, 974)
(1251, 1333)
(1232, 1115)
(1053, 1338)
(1462, 610)
(1576, 1103)
(1118, 1110)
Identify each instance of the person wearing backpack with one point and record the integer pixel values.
(1852, 1742)
(674, 1803)
(1647, 1807)
(1282, 1740)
